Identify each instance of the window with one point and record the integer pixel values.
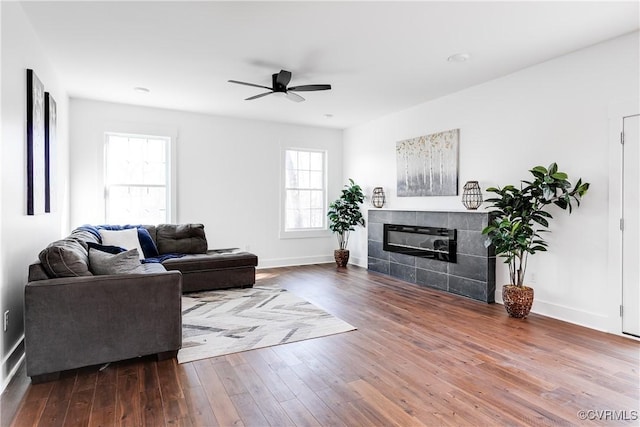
(137, 179)
(304, 190)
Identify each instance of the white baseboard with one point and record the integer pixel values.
(289, 262)
(584, 318)
(360, 262)
(595, 321)
(14, 369)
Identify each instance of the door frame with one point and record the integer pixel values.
(622, 186)
(617, 112)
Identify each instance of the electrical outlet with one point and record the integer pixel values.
(533, 278)
(5, 322)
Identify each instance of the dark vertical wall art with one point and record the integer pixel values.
(50, 117)
(35, 145)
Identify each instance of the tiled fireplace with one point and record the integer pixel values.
(468, 269)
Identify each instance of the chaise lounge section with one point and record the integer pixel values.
(217, 269)
(202, 268)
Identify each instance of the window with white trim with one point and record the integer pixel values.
(305, 198)
(137, 176)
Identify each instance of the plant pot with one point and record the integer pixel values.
(517, 300)
(341, 256)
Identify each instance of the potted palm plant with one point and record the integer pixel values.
(344, 214)
(520, 216)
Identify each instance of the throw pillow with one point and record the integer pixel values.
(147, 243)
(126, 262)
(105, 248)
(127, 239)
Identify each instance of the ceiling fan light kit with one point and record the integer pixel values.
(279, 82)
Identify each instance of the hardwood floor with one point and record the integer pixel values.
(419, 357)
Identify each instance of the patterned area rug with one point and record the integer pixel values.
(215, 323)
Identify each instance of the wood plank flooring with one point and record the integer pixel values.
(419, 357)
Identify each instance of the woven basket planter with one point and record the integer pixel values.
(341, 256)
(517, 300)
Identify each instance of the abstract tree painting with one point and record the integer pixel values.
(428, 165)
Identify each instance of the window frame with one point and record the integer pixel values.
(169, 172)
(299, 233)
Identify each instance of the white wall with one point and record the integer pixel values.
(553, 112)
(228, 174)
(24, 236)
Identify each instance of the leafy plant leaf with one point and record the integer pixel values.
(521, 216)
(344, 213)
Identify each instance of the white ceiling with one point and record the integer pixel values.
(380, 57)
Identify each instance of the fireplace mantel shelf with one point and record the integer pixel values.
(480, 210)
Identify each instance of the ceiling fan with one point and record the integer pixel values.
(279, 85)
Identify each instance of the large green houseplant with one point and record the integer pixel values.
(520, 216)
(344, 215)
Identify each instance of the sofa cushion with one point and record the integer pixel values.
(151, 268)
(66, 258)
(182, 238)
(126, 262)
(212, 260)
(127, 239)
(161, 258)
(37, 272)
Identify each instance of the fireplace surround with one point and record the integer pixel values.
(471, 272)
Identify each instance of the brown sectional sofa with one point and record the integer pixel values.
(74, 318)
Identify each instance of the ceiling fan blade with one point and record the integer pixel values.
(258, 96)
(294, 97)
(248, 84)
(283, 78)
(310, 87)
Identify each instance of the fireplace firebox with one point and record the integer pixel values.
(426, 242)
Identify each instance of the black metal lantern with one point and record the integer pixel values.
(472, 195)
(378, 199)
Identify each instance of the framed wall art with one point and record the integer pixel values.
(50, 118)
(35, 145)
(428, 165)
